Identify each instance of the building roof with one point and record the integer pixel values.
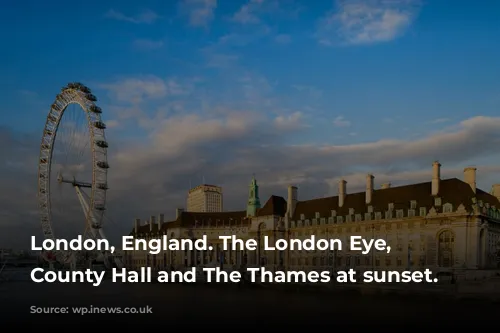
(276, 205)
(453, 191)
(202, 186)
(196, 219)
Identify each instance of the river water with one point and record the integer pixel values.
(230, 305)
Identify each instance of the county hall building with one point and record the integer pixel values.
(442, 224)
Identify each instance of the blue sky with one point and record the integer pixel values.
(441, 63)
(219, 89)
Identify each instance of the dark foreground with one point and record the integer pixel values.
(227, 307)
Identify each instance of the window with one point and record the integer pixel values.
(378, 215)
(422, 260)
(334, 213)
(411, 212)
(322, 220)
(388, 214)
(446, 242)
(293, 224)
(330, 220)
(357, 217)
(423, 211)
(391, 206)
(339, 219)
(351, 211)
(370, 209)
(447, 208)
(437, 202)
(316, 215)
(413, 204)
(348, 218)
(302, 217)
(399, 214)
(368, 216)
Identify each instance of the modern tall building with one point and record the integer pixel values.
(205, 199)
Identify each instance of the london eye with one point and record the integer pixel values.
(73, 154)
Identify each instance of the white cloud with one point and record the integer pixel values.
(200, 12)
(357, 181)
(219, 60)
(232, 147)
(182, 132)
(440, 120)
(283, 39)
(112, 123)
(247, 14)
(151, 176)
(290, 122)
(243, 38)
(135, 90)
(253, 21)
(148, 44)
(312, 92)
(357, 22)
(340, 121)
(28, 94)
(147, 16)
(254, 12)
(226, 130)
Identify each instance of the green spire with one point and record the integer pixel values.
(253, 198)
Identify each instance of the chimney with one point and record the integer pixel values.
(436, 177)
(470, 177)
(161, 220)
(151, 222)
(136, 225)
(178, 212)
(342, 190)
(385, 186)
(495, 191)
(291, 202)
(369, 188)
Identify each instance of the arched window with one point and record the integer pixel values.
(446, 244)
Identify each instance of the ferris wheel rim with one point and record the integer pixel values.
(73, 93)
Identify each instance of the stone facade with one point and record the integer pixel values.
(205, 198)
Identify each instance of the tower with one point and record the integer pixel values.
(253, 198)
(205, 198)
